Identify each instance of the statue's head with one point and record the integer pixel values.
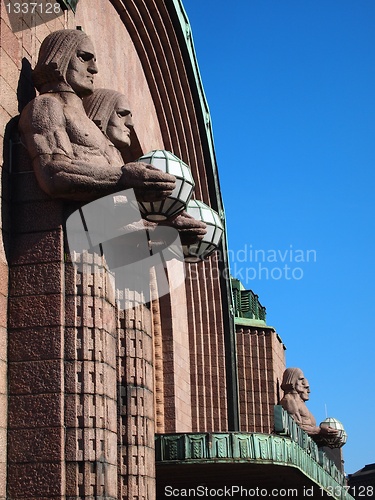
(293, 381)
(305, 393)
(66, 62)
(110, 111)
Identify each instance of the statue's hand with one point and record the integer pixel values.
(327, 431)
(190, 230)
(149, 183)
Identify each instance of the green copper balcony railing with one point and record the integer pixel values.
(294, 449)
(286, 426)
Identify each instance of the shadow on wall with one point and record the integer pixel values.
(25, 93)
(25, 90)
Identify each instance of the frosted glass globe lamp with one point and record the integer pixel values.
(167, 162)
(211, 240)
(337, 440)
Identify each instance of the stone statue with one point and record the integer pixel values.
(296, 392)
(71, 158)
(110, 111)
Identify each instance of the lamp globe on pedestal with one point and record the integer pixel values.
(211, 240)
(338, 439)
(165, 161)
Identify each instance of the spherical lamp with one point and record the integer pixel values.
(211, 240)
(338, 439)
(157, 211)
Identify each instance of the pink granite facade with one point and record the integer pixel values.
(261, 364)
(84, 386)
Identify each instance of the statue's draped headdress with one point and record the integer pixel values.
(100, 105)
(290, 378)
(54, 55)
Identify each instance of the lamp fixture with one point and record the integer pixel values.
(166, 161)
(199, 251)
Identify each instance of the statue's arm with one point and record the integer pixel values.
(310, 428)
(62, 174)
(304, 418)
(308, 423)
(315, 430)
(58, 171)
(190, 230)
(292, 406)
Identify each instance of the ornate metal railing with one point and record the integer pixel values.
(289, 446)
(286, 426)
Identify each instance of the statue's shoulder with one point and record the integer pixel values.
(41, 112)
(290, 403)
(43, 101)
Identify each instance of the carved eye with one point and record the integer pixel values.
(85, 56)
(121, 113)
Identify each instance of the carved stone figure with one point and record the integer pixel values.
(296, 392)
(110, 111)
(71, 158)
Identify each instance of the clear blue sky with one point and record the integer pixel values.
(291, 89)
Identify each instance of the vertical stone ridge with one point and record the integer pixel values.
(90, 379)
(136, 419)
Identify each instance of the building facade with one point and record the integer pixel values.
(84, 385)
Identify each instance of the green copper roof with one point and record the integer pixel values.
(257, 323)
(246, 303)
(68, 4)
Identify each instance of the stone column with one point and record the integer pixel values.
(36, 433)
(81, 397)
(136, 437)
(90, 380)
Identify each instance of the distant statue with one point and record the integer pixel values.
(71, 158)
(296, 392)
(110, 111)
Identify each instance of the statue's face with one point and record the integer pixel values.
(300, 383)
(305, 394)
(82, 68)
(120, 124)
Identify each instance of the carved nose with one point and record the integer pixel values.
(93, 69)
(129, 122)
